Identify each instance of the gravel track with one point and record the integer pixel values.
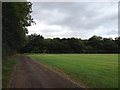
(31, 74)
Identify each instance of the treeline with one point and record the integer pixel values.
(15, 18)
(95, 44)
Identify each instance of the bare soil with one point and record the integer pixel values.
(31, 74)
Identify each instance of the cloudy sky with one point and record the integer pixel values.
(75, 19)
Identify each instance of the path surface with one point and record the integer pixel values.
(31, 74)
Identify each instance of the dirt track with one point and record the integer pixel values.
(30, 74)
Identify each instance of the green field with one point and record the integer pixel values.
(92, 70)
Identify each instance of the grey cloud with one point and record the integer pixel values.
(79, 17)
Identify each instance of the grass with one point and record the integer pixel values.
(8, 67)
(92, 70)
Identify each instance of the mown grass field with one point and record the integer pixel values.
(92, 70)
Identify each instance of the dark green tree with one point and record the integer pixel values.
(117, 41)
(15, 18)
(110, 46)
(95, 44)
(35, 44)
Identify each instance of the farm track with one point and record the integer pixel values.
(30, 74)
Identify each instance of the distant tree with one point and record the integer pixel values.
(117, 41)
(109, 45)
(95, 44)
(75, 45)
(66, 48)
(35, 44)
(56, 45)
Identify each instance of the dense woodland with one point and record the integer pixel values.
(95, 44)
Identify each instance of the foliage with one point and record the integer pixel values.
(95, 44)
(15, 18)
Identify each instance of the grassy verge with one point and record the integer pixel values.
(93, 70)
(8, 67)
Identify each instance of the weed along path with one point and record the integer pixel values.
(30, 74)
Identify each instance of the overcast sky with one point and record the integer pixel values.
(75, 19)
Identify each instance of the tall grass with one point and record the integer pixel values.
(8, 67)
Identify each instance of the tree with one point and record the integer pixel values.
(109, 45)
(35, 44)
(117, 41)
(95, 44)
(15, 18)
